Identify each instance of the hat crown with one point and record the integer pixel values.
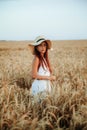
(39, 38)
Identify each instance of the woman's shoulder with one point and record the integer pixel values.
(35, 59)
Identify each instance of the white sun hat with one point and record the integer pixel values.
(38, 41)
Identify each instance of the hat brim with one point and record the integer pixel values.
(31, 46)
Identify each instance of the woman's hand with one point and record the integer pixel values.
(52, 77)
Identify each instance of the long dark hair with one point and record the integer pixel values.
(43, 60)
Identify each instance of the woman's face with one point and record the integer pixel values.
(42, 48)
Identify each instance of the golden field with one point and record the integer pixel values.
(64, 109)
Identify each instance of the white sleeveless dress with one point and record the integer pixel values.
(41, 85)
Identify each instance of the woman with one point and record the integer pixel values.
(41, 68)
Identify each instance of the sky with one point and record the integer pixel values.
(55, 19)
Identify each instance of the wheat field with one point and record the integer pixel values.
(65, 108)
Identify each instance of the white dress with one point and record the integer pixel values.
(41, 85)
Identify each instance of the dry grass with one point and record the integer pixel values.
(64, 108)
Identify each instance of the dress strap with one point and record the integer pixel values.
(45, 63)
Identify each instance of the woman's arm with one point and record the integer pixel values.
(35, 69)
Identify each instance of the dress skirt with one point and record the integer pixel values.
(40, 86)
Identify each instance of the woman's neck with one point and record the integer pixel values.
(42, 55)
